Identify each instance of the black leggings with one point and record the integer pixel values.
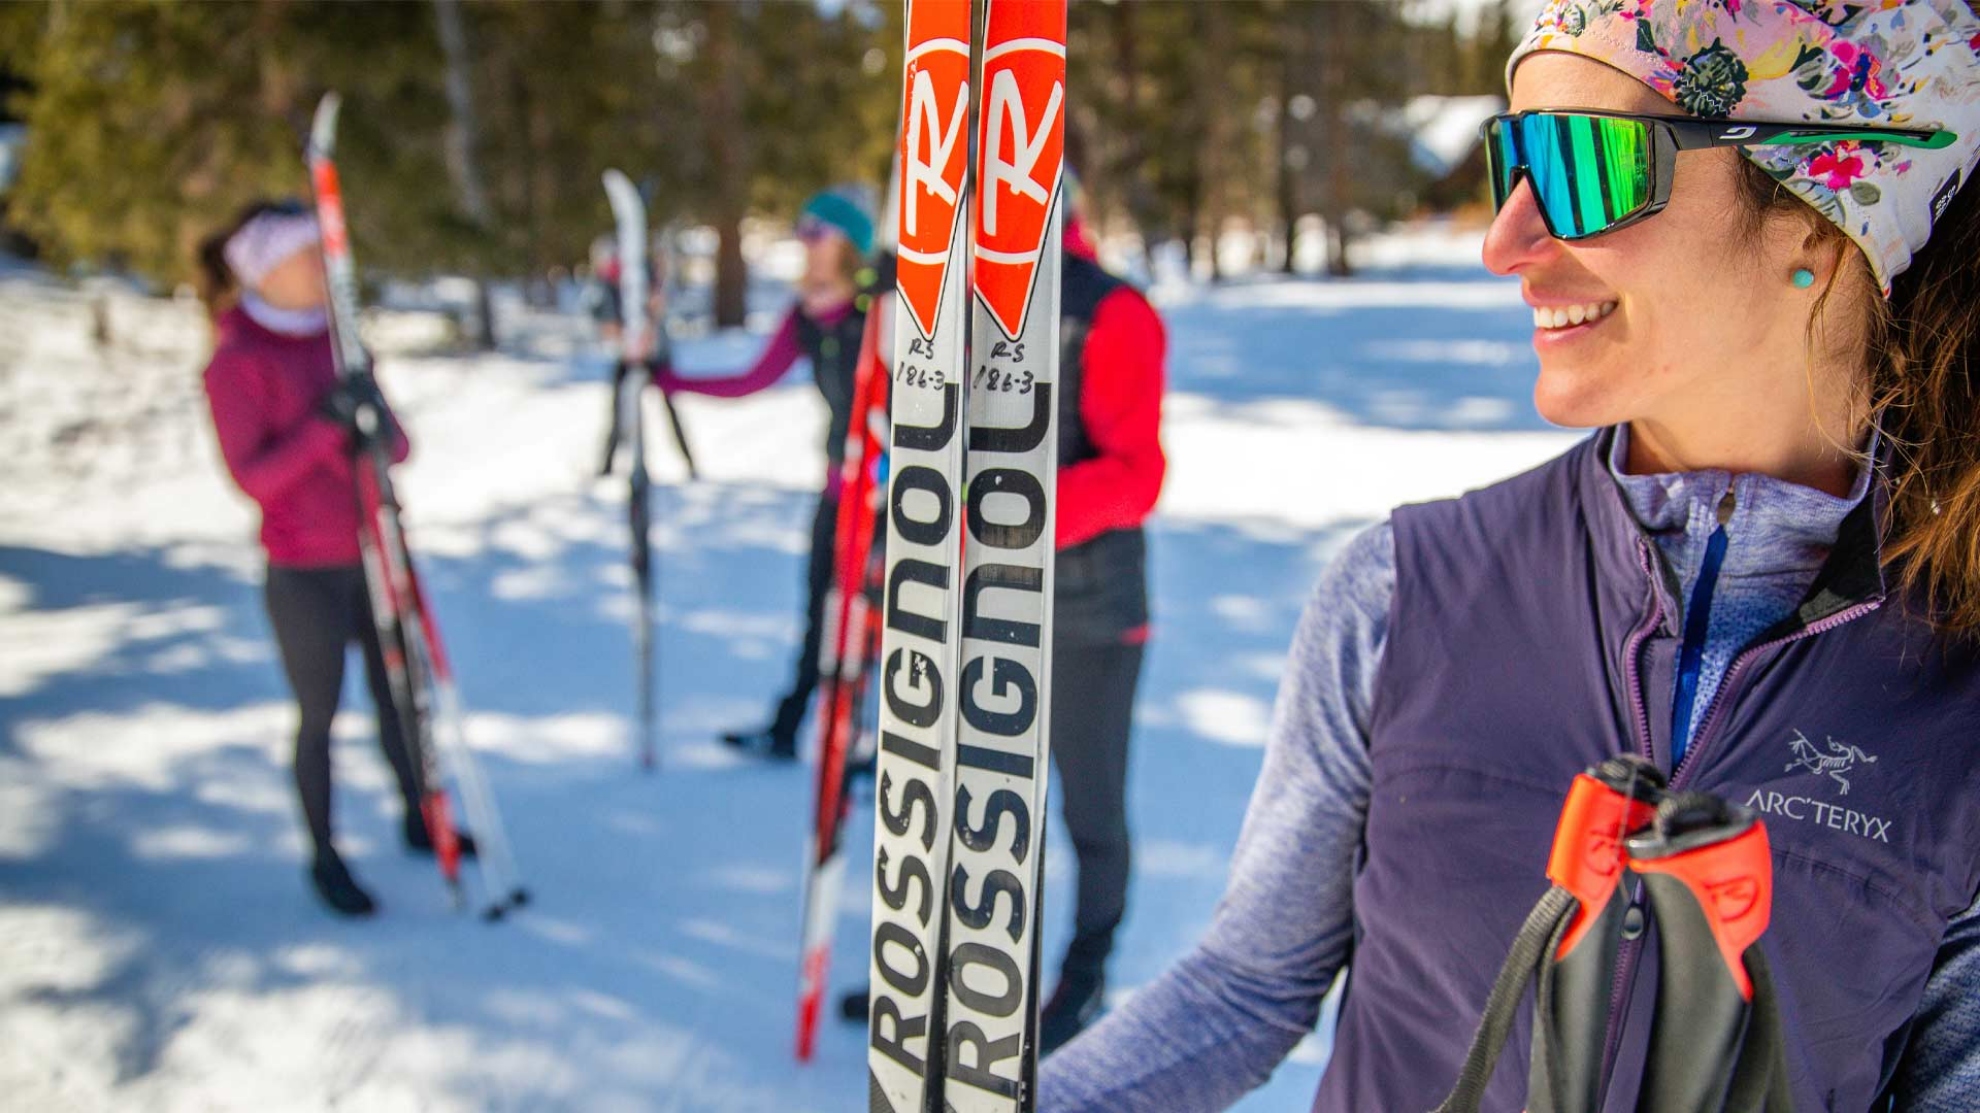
(1092, 712)
(317, 613)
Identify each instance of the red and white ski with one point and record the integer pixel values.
(850, 640)
(421, 678)
(915, 768)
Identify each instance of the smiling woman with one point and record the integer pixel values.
(1742, 228)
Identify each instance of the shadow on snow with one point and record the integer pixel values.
(664, 935)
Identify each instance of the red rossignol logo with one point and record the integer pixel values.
(933, 155)
(1022, 145)
(329, 208)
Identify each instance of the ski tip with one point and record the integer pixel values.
(628, 207)
(323, 130)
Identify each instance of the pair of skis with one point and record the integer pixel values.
(640, 340)
(421, 678)
(966, 655)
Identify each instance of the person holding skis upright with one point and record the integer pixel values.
(287, 429)
(601, 300)
(1752, 251)
(1110, 473)
(833, 295)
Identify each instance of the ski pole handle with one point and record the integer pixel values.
(1571, 1004)
(1570, 940)
(1709, 873)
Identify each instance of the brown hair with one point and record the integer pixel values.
(1922, 350)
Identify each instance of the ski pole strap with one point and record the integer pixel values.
(1759, 1081)
(1570, 940)
(1537, 938)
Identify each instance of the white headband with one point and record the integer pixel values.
(265, 241)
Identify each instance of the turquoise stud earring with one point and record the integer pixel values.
(1803, 278)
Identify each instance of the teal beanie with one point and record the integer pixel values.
(836, 208)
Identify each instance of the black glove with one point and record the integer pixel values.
(353, 394)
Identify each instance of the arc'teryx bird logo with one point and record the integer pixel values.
(933, 156)
(1840, 759)
(1023, 148)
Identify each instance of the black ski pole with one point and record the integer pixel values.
(680, 436)
(639, 518)
(1715, 1039)
(1571, 1004)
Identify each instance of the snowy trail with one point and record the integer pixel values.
(158, 946)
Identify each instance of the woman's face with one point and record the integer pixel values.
(825, 257)
(1694, 321)
(296, 282)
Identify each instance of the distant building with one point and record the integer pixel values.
(1443, 134)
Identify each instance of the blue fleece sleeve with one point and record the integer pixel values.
(1217, 1023)
(1941, 1068)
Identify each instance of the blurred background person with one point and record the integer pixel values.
(834, 292)
(287, 427)
(603, 300)
(1110, 473)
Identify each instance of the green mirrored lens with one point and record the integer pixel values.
(1501, 160)
(1588, 172)
(1625, 147)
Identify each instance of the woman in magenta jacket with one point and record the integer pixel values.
(286, 428)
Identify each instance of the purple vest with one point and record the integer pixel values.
(1532, 635)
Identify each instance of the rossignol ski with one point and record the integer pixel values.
(915, 770)
(421, 678)
(966, 671)
(849, 644)
(637, 337)
(1003, 742)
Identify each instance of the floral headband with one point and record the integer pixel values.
(1880, 63)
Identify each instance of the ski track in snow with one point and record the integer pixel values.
(159, 949)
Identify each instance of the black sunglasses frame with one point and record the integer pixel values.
(1668, 136)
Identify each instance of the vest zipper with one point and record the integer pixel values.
(1627, 954)
(1697, 626)
(1633, 648)
(1632, 679)
(1745, 658)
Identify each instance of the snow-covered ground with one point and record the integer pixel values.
(159, 948)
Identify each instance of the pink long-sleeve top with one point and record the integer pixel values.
(265, 389)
